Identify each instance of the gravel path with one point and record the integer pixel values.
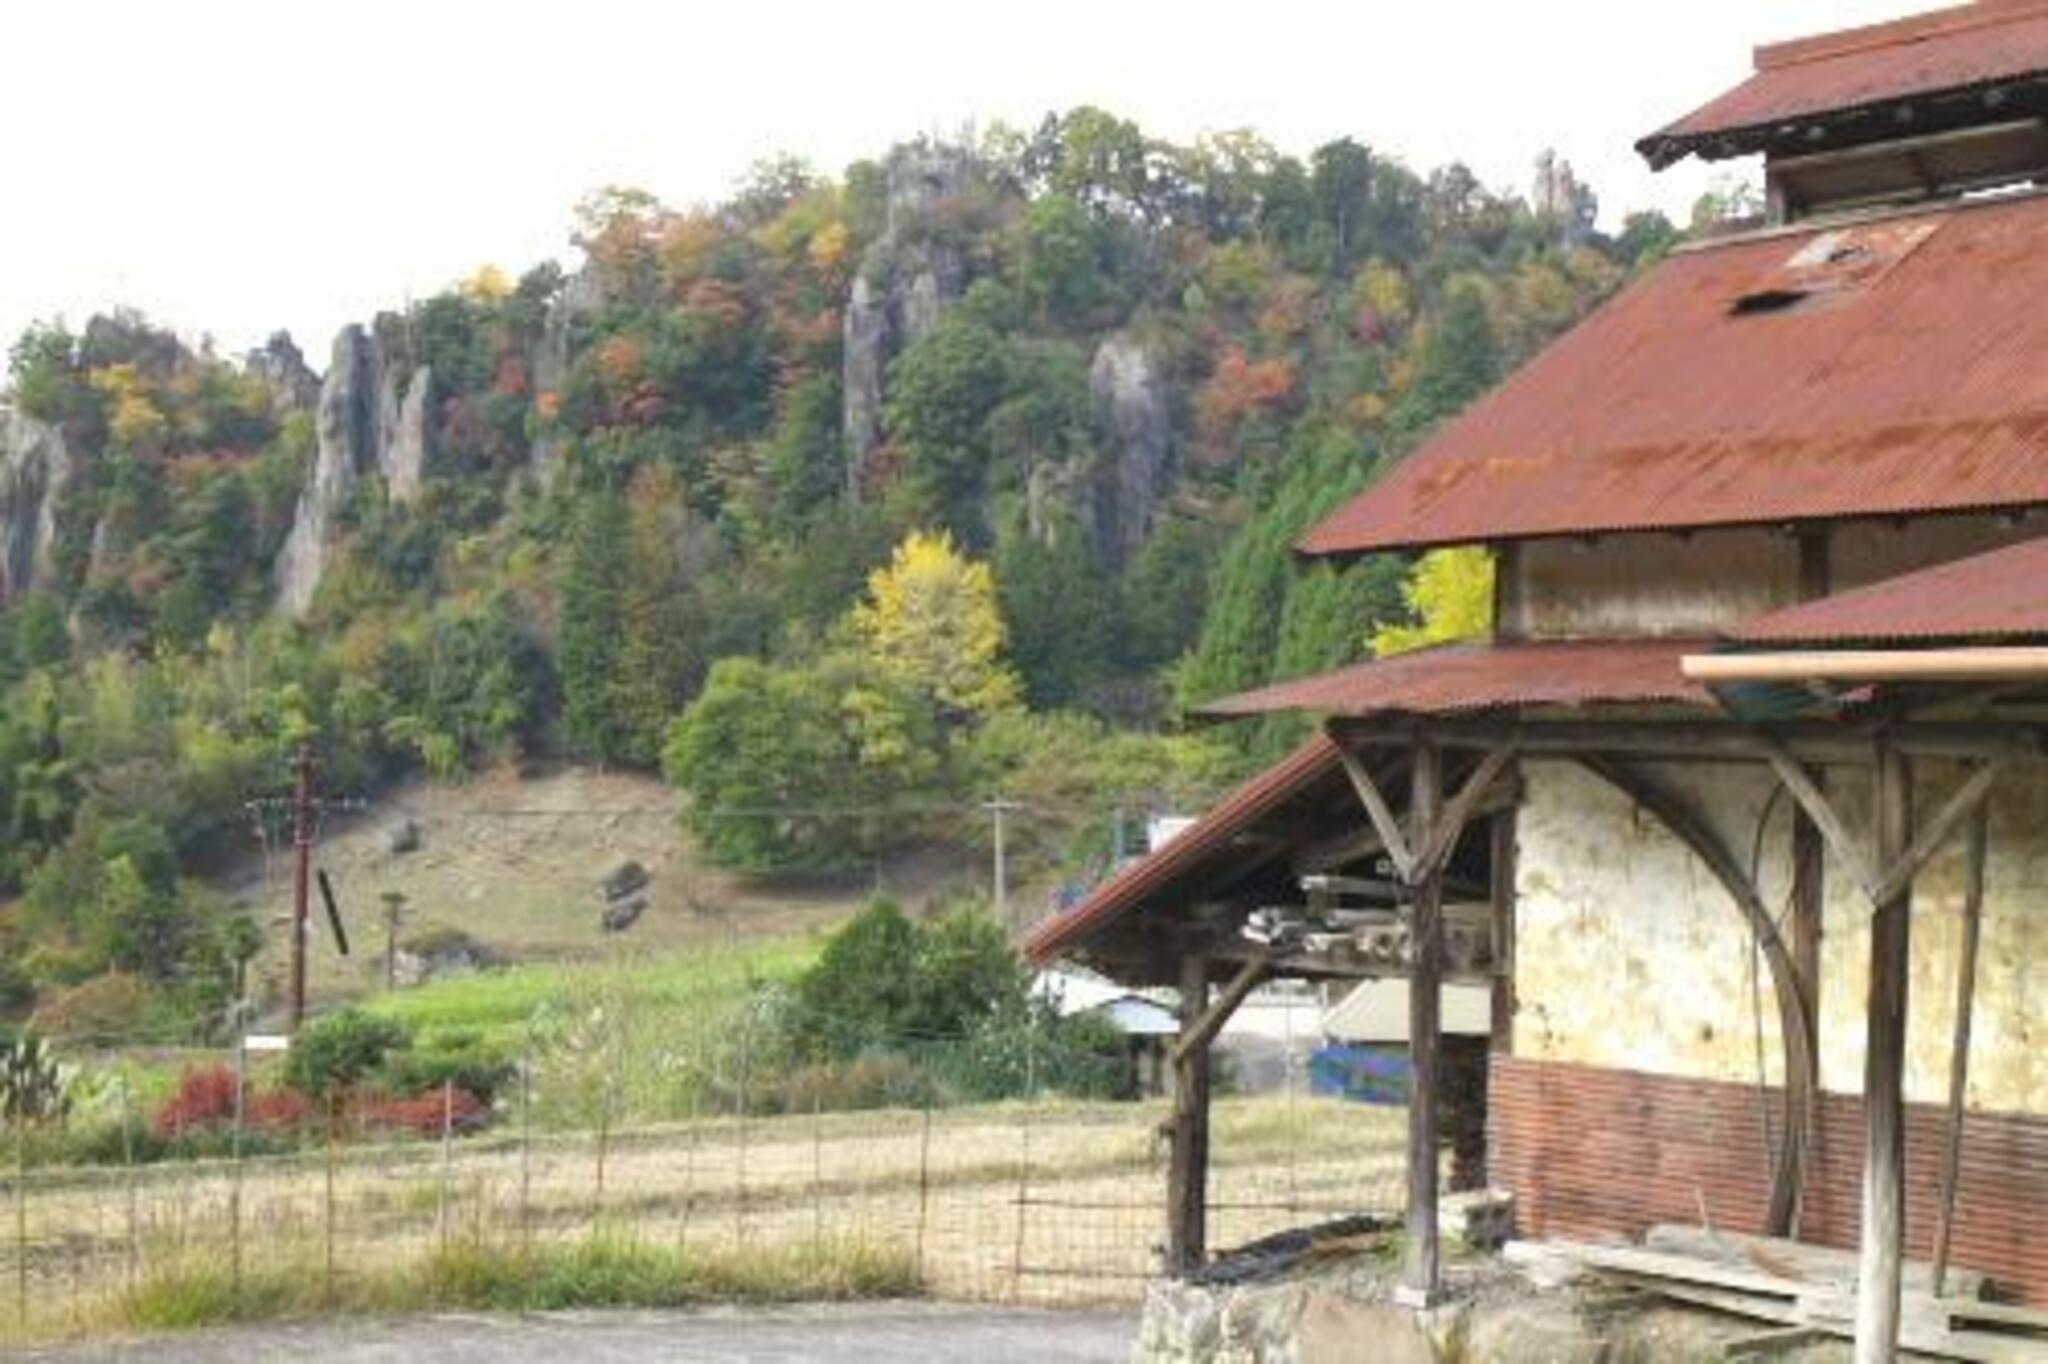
(889, 1333)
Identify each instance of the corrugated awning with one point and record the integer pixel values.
(1959, 51)
(1999, 596)
(1460, 678)
(1893, 368)
(1190, 852)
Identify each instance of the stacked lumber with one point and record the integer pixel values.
(1804, 1291)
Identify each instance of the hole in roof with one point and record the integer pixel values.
(1767, 301)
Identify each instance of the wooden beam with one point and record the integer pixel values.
(1809, 902)
(1836, 743)
(1974, 664)
(1423, 1281)
(1959, 1051)
(1884, 1165)
(1187, 1173)
(1450, 822)
(1376, 808)
(1501, 901)
(1338, 849)
(1201, 1031)
(1845, 846)
(1691, 827)
(1968, 798)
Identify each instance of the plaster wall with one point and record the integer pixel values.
(1657, 583)
(1630, 955)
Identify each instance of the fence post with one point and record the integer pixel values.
(235, 1164)
(447, 1160)
(327, 1266)
(1024, 1160)
(128, 1181)
(818, 1167)
(689, 1178)
(526, 1144)
(924, 1180)
(739, 1202)
(21, 1219)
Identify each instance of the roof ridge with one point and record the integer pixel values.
(1912, 28)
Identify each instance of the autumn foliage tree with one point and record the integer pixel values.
(930, 622)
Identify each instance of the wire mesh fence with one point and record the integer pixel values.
(1039, 1198)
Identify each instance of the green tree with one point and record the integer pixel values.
(941, 392)
(593, 626)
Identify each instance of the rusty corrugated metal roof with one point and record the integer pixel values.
(1189, 851)
(1948, 51)
(2002, 595)
(1888, 368)
(1453, 679)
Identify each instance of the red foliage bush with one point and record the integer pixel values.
(204, 1097)
(422, 1113)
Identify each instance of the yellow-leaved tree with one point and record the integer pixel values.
(930, 623)
(1451, 594)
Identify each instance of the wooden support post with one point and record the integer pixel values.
(1884, 1164)
(1425, 985)
(1503, 905)
(1809, 898)
(1187, 1174)
(1959, 1057)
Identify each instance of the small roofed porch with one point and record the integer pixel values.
(1412, 788)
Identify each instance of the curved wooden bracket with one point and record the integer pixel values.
(1676, 813)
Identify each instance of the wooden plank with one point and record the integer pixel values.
(1423, 1282)
(1967, 799)
(1884, 1156)
(1766, 1344)
(1501, 903)
(1848, 850)
(1379, 812)
(1449, 823)
(1187, 1174)
(1817, 1266)
(1959, 1049)
(1827, 742)
(1199, 1033)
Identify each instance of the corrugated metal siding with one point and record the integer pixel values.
(1922, 388)
(1951, 49)
(1456, 678)
(1596, 1154)
(2002, 595)
(1188, 852)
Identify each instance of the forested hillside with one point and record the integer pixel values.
(844, 503)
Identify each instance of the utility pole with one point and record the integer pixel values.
(302, 876)
(997, 808)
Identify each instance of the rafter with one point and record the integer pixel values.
(1392, 837)
(1200, 1032)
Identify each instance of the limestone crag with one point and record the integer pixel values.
(35, 473)
(373, 415)
(1135, 419)
(548, 357)
(911, 274)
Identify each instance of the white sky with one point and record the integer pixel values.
(235, 166)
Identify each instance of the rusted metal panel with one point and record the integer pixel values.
(1597, 1154)
(1892, 369)
(1458, 678)
(1948, 50)
(1188, 852)
(2002, 595)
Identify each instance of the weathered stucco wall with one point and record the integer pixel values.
(1629, 954)
(1695, 584)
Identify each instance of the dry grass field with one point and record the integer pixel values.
(1041, 1203)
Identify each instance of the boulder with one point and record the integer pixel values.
(405, 459)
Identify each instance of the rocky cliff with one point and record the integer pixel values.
(372, 415)
(36, 470)
(908, 277)
(1134, 418)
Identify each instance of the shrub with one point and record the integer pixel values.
(339, 1050)
(112, 1008)
(423, 1114)
(205, 1097)
(462, 1059)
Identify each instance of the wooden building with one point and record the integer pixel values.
(1757, 746)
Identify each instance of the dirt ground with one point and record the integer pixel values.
(887, 1333)
(514, 861)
